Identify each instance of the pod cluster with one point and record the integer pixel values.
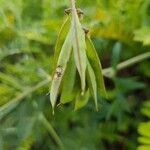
(77, 69)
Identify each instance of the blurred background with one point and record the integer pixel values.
(120, 29)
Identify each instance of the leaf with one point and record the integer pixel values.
(146, 108)
(81, 100)
(92, 83)
(61, 37)
(68, 82)
(143, 35)
(143, 147)
(116, 55)
(144, 129)
(79, 48)
(129, 84)
(144, 139)
(61, 66)
(35, 36)
(96, 65)
(11, 81)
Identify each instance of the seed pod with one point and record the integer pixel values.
(61, 67)
(61, 38)
(96, 65)
(91, 79)
(79, 48)
(68, 82)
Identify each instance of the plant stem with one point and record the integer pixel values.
(12, 104)
(73, 3)
(51, 130)
(133, 60)
(108, 72)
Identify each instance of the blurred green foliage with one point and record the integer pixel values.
(144, 128)
(28, 31)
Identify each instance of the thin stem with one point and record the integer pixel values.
(51, 130)
(133, 60)
(108, 72)
(8, 107)
(73, 3)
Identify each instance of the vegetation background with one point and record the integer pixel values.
(120, 29)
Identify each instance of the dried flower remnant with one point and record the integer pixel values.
(58, 72)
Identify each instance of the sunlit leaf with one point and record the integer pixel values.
(10, 80)
(144, 147)
(144, 140)
(35, 36)
(146, 109)
(143, 35)
(144, 129)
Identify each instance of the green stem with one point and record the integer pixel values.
(133, 61)
(12, 104)
(73, 3)
(108, 72)
(51, 130)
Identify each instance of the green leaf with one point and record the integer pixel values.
(61, 38)
(144, 129)
(146, 108)
(144, 147)
(61, 67)
(35, 36)
(11, 81)
(68, 82)
(92, 83)
(116, 55)
(143, 35)
(96, 65)
(144, 140)
(81, 100)
(79, 48)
